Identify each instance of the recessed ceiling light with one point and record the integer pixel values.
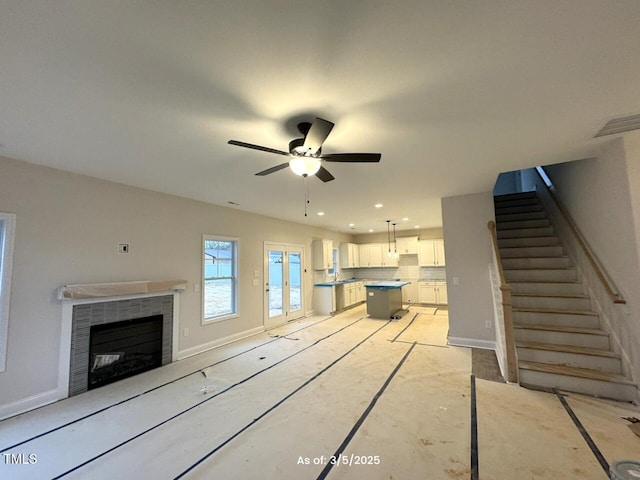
(405, 219)
(378, 205)
(416, 226)
(352, 225)
(320, 213)
(371, 230)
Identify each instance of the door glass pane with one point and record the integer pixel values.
(295, 281)
(276, 306)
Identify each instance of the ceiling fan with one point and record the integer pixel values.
(306, 153)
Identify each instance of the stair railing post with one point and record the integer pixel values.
(507, 309)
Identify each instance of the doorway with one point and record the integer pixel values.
(284, 293)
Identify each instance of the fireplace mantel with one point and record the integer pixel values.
(116, 289)
(72, 296)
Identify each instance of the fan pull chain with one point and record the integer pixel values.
(306, 194)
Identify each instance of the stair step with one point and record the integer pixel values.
(570, 355)
(565, 318)
(508, 209)
(541, 275)
(547, 288)
(515, 196)
(552, 302)
(580, 380)
(577, 349)
(525, 232)
(535, 262)
(513, 242)
(515, 199)
(585, 337)
(509, 217)
(531, 251)
(520, 224)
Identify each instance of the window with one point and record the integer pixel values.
(220, 279)
(7, 231)
(334, 265)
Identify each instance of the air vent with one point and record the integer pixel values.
(620, 125)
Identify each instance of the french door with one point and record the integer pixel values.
(284, 293)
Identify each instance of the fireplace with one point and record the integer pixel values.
(93, 363)
(122, 349)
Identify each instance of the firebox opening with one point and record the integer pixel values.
(123, 349)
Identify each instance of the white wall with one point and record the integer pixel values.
(602, 195)
(67, 230)
(468, 251)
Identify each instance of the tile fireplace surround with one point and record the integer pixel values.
(96, 304)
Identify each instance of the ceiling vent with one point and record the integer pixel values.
(620, 125)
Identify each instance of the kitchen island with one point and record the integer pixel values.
(384, 299)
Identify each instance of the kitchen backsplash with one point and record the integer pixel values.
(407, 269)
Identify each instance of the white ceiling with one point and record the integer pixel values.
(450, 92)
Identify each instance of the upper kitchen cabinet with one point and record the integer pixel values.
(407, 245)
(349, 255)
(375, 255)
(322, 251)
(431, 253)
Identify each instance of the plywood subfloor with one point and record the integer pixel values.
(392, 399)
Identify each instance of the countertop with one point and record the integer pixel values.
(387, 285)
(338, 282)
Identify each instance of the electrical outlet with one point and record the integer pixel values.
(488, 324)
(186, 331)
(456, 280)
(196, 287)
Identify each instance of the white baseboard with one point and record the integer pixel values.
(472, 343)
(29, 403)
(189, 352)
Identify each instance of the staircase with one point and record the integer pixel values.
(558, 336)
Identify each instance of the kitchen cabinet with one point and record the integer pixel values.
(407, 245)
(322, 251)
(370, 255)
(376, 255)
(431, 253)
(348, 294)
(349, 255)
(361, 295)
(433, 293)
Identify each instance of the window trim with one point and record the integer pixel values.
(7, 235)
(235, 281)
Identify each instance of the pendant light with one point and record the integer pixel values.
(395, 243)
(389, 254)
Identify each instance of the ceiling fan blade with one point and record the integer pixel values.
(257, 147)
(273, 169)
(317, 134)
(352, 157)
(324, 175)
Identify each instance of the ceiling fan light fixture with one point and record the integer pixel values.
(305, 166)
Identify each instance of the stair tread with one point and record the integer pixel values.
(538, 268)
(534, 257)
(547, 282)
(560, 328)
(556, 245)
(554, 310)
(575, 372)
(555, 347)
(551, 295)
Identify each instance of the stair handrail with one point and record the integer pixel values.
(507, 309)
(607, 283)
